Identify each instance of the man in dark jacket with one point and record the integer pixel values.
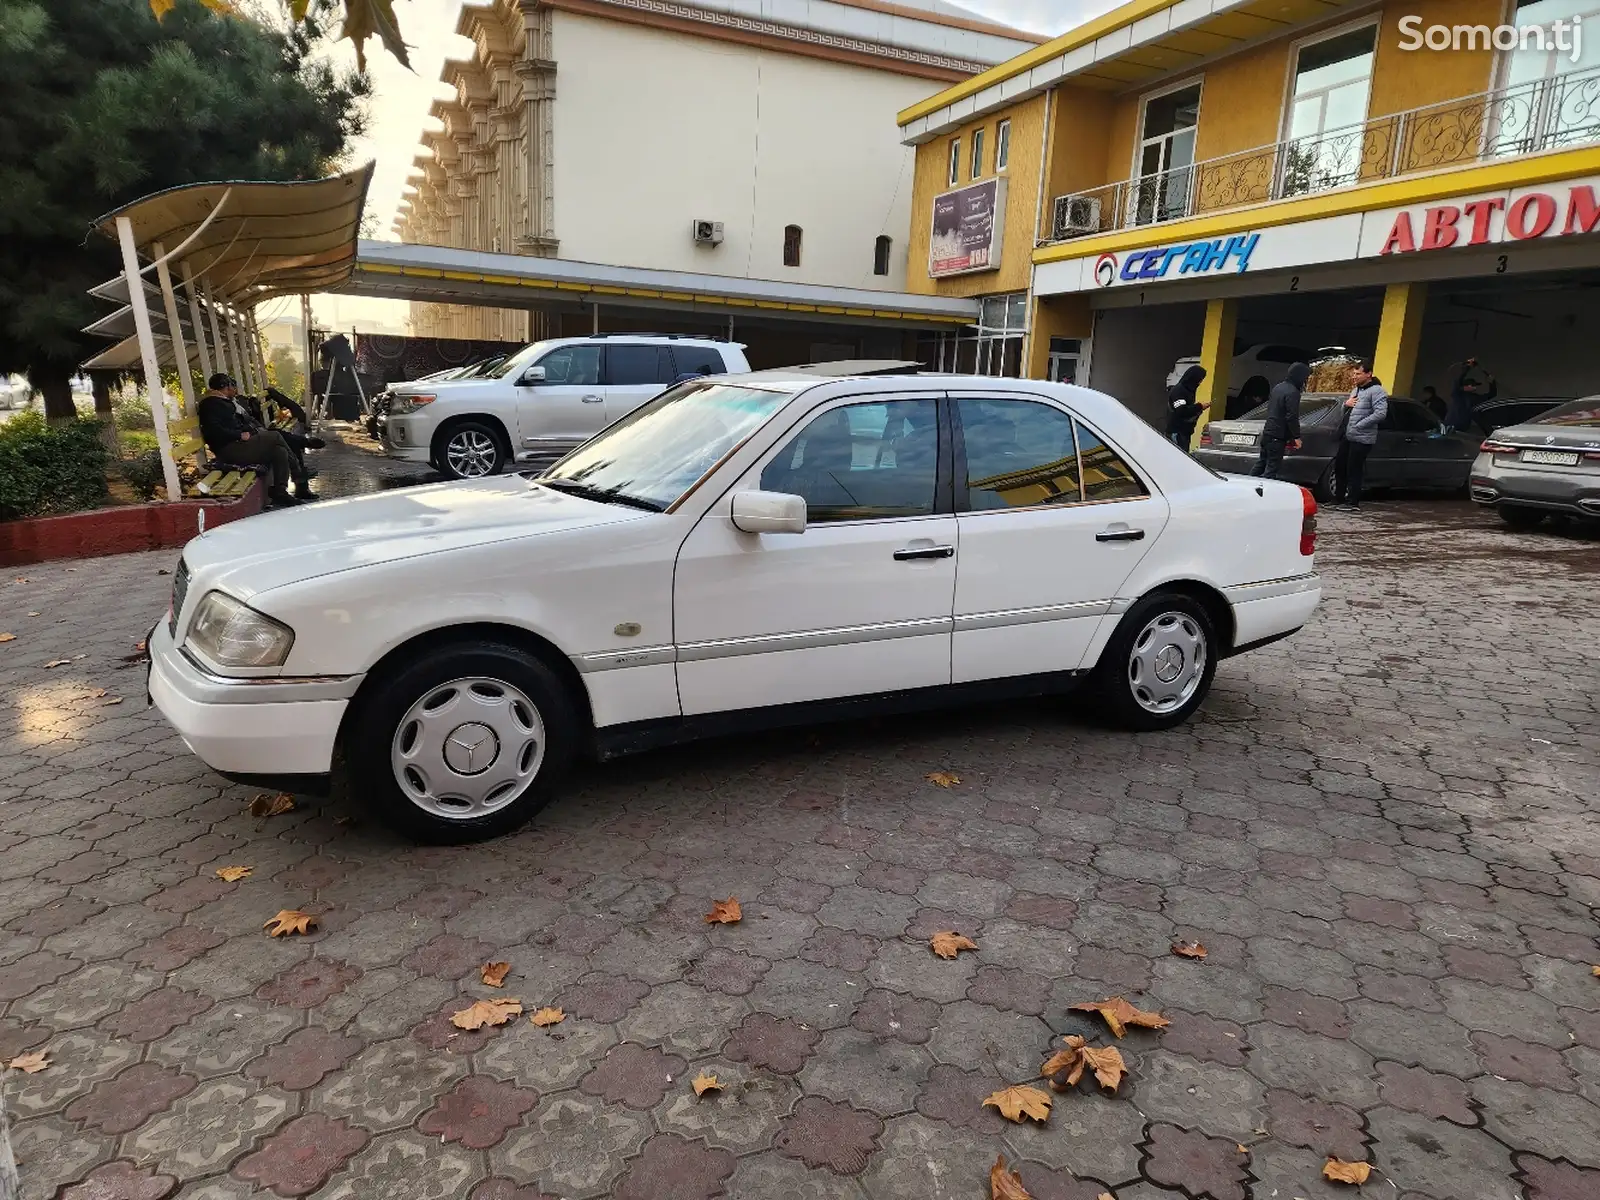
(1184, 407)
(1281, 430)
(235, 439)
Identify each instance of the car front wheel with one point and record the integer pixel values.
(470, 450)
(466, 742)
(1158, 666)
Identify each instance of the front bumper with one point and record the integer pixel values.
(264, 726)
(404, 437)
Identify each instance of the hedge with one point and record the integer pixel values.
(47, 469)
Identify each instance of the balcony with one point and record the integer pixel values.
(1527, 118)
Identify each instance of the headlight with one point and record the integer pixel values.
(232, 634)
(409, 404)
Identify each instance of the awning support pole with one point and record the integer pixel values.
(305, 331)
(180, 351)
(217, 339)
(256, 348)
(147, 352)
(196, 323)
(596, 329)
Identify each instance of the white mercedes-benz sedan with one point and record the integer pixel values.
(757, 550)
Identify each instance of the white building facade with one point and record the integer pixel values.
(738, 138)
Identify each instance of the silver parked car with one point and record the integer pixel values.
(1549, 465)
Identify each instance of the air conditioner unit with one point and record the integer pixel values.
(707, 233)
(1076, 216)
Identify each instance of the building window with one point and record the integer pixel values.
(955, 161)
(1547, 102)
(977, 153)
(992, 347)
(880, 254)
(1002, 146)
(791, 245)
(1166, 154)
(1327, 109)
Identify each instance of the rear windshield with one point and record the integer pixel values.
(1312, 408)
(1575, 412)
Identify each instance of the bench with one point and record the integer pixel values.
(221, 485)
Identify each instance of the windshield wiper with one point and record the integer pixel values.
(603, 495)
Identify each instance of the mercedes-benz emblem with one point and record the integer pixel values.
(471, 749)
(1169, 663)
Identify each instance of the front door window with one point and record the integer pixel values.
(1326, 135)
(1166, 155)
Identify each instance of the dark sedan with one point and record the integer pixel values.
(1413, 450)
(1550, 465)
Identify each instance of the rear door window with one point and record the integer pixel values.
(698, 360)
(1106, 474)
(1408, 418)
(628, 366)
(1020, 453)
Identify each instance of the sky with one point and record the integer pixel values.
(401, 98)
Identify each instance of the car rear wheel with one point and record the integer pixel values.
(1518, 517)
(465, 742)
(1322, 490)
(470, 450)
(1159, 664)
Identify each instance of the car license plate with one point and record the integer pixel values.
(1238, 439)
(1554, 458)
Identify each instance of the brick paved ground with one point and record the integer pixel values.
(1384, 830)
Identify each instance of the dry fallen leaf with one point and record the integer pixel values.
(140, 647)
(942, 779)
(548, 1016)
(1065, 1067)
(233, 874)
(99, 694)
(1241, 1148)
(705, 1082)
(1189, 949)
(8, 637)
(113, 700)
(1595, 971)
(1340, 1171)
(1107, 1064)
(1019, 1102)
(290, 921)
(1119, 1014)
(948, 943)
(487, 1012)
(494, 973)
(725, 912)
(1105, 1196)
(1004, 1184)
(56, 662)
(30, 1063)
(269, 805)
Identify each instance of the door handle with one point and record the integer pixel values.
(594, 399)
(915, 552)
(1120, 535)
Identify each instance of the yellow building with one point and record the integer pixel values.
(1249, 181)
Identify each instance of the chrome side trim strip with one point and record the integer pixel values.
(1029, 616)
(1271, 588)
(211, 688)
(1121, 605)
(611, 660)
(813, 639)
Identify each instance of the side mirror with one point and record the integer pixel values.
(531, 376)
(769, 512)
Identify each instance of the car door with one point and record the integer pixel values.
(566, 407)
(860, 603)
(1051, 520)
(1402, 457)
(1433, 459)
(634, 374)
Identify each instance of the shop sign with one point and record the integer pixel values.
(968, 229)
(1492, 220)
(1187, 258)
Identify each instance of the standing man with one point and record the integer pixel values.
(1281, 430)
(1470, 385)
(1183, 407)
(1368, 405)
(235, 439)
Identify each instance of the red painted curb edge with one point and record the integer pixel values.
(124, 530)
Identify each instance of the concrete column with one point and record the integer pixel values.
(1216, 356)
(1399, 335)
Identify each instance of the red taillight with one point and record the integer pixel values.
(1308, 523)
(1493, 447)
(1205, 436)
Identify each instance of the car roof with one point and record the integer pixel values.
(652, 338)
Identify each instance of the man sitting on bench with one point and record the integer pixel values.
(235, 438)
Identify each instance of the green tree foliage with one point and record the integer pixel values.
(101, 103)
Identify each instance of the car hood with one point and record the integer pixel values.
(263, 552)
(1544, 436)
(440, 387)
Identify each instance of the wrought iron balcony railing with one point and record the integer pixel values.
(1525, 118)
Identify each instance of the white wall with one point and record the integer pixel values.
(654, 130)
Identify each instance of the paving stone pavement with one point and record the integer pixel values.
(1384, 830)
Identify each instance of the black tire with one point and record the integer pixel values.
(1518, 517)
(1322, 490)
(469, 441)
(388, 700)
(1113, 682)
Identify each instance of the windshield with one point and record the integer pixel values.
(1576, 412)
(519, 361)
(659, 452)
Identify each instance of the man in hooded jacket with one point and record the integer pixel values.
(1184, 407)
(1281, 431)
